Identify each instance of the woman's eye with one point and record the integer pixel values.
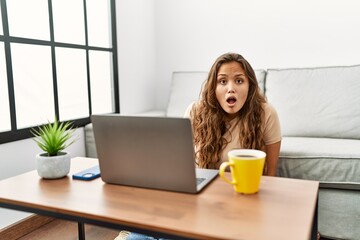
(222, 81)
(239, 81)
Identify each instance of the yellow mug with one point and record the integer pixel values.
(246, 166)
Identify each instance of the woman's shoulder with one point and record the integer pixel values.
(270, 113)
(272, 130)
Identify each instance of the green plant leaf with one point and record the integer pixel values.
(53, 138)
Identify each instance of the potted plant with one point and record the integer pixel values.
(53, 138)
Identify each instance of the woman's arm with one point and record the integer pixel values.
(272, 157)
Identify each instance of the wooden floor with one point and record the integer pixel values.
(66, 230)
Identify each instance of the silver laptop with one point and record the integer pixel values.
(148, 152)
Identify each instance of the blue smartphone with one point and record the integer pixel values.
(88, 174)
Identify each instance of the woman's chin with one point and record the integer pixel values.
(231, 115)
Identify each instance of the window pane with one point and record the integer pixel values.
(101, 82)
(29, 19)
(33, 84)
(69, 26)
(4, 96)
(98, 19)
(72, 83)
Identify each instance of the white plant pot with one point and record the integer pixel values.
(53, 167)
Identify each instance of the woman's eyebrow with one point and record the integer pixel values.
(222, 75)
(239, 75)
(236, 75)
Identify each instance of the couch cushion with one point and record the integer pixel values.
(322, 159)
(185, 89)
(316, 102)
(339, 214)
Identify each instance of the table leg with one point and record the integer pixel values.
(81, 231)
(315, 222)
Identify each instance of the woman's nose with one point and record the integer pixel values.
(231, 87)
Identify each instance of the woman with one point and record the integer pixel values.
(232, 113)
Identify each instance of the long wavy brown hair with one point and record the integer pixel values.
(209, 119)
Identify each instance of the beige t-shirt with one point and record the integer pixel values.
(271, 125)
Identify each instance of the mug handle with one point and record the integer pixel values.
(222, 168)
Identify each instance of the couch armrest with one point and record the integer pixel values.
(90, 146)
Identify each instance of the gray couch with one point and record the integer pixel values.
(319, 111)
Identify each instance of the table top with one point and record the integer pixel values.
(282, 209)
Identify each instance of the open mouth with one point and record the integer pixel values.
(231, 100)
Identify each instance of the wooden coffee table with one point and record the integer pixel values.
(283, 208)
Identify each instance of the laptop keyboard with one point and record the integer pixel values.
(199, 180)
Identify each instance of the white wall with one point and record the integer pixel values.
(190, 34)
(136, 55)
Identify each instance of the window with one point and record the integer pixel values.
(73, 101)
(28, 24)
(33, 85)
(101, 83)
(69, 21)
(98, 23)
(4, 97)
(58, 59)
(1, 25)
